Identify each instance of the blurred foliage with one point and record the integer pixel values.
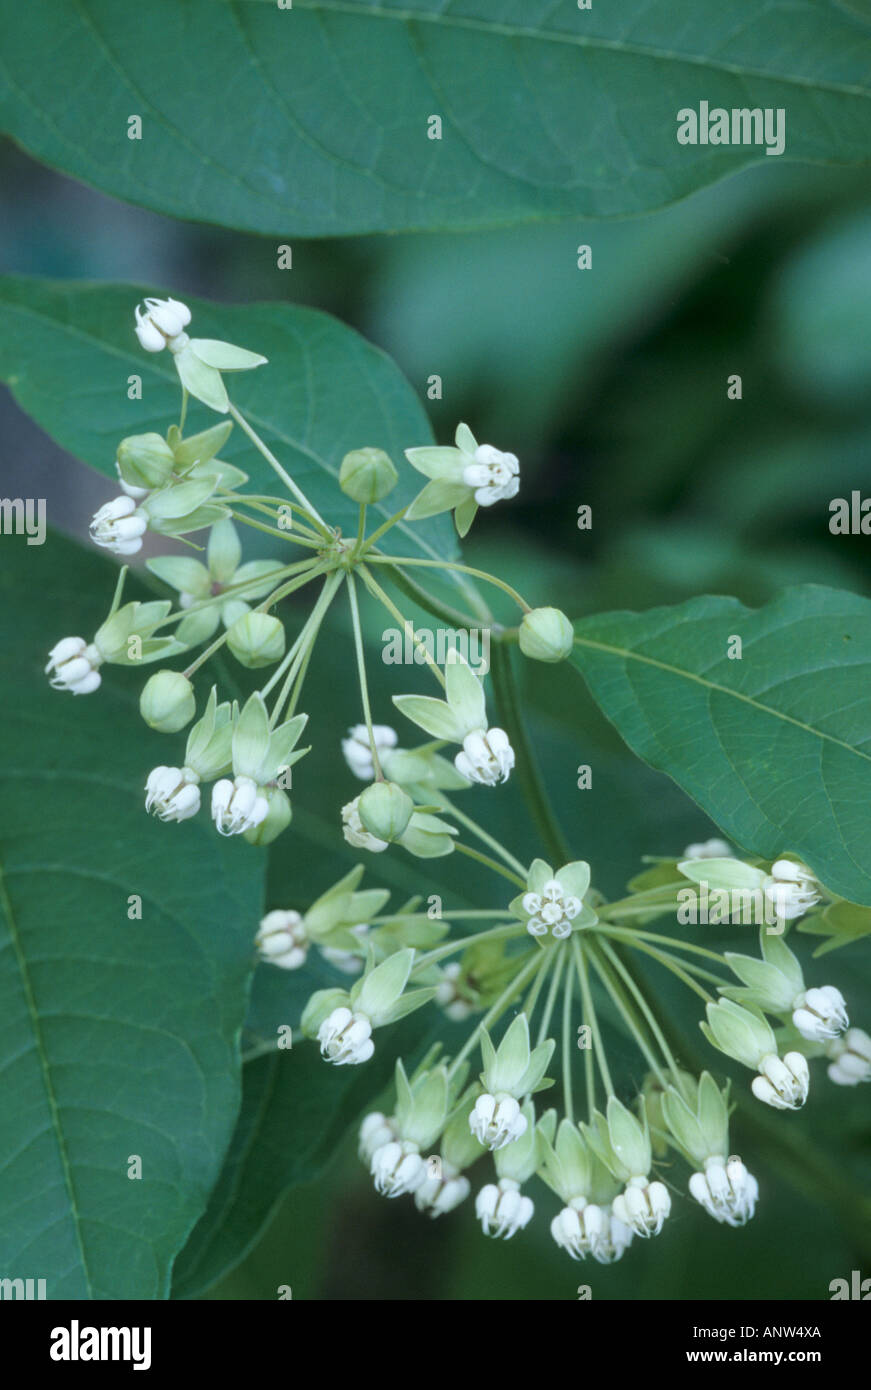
(611, 386)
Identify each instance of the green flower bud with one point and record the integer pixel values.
(385, 810)
(167, 702)
(367, 475)
(256, 639)
(278, 818)
(145, 460)
(546, 635)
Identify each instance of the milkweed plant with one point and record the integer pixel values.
(527, 980)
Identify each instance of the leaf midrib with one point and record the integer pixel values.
(45, 1067)
(628, 655)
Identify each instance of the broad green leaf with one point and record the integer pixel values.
(118, 1035)
(67, 351)
(295, 1111)
(774, 746)
(316, 120)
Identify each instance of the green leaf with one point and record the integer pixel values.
(67, 351)
(295, 1110)
(328, 130)
(776, 746)
(118, 1036)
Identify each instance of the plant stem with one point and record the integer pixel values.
(375, 589)
(285, 477)
(361, 672)
(646, 1010)
(460, 569)
(590, 1015)
(485, 838)
(629, 1018)
(527, 768)
(490, 863)
(449, 615)
(567, 1051)
(561, 958)
(450, 948)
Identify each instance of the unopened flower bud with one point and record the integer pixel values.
(367, 475)
(167, 702)
(256, 639)
(145, 461)
(546, 635)
(385, 810)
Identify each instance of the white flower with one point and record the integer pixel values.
(502, 1209)
(584, 1229)
(172, 793)
(438, 1196)
(346, 961)
(492, 474)
(163, 320)
(614, 1238)
(851, 1058)
(352, 829)
(551, 910)
(375, 1131)
(708, 849)
(487, 757)
(397, 1168)
(726, 1190)
(783, 1082)
(238, 806)
(119, 527)
(497, 1120)
(282, 939)
(643, 1205)
(72, 665)
(346, 1038)
(820, 1014)
(358, 750)
(448, 996)
(792, 888)
(576, 1227)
